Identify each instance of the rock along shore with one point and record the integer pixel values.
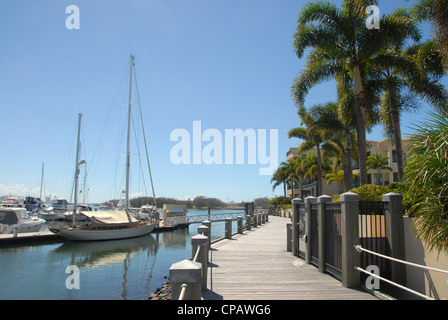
(162, 293)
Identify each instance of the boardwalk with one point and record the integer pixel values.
(256, 265)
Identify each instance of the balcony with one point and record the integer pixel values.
(292, 154)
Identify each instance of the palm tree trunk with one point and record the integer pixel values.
(319, 172)
(348, 161)
(395, 119)
(360, 123)
(284, 189)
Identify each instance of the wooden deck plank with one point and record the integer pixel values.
(256, 266)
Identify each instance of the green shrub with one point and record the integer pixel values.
(370, 192)
(280, 200)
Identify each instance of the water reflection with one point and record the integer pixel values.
(102, 253)
(119, 269)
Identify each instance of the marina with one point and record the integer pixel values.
(131, 269)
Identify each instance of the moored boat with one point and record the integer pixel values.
(107, 225)
(17, 220)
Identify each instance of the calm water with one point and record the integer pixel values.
(122, 269)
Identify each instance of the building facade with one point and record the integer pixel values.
(374, 176)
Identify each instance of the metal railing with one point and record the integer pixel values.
(173, 221)
(360, 249)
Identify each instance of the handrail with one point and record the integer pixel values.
(197, 254)
(183, 291)
(394, 283)
(359, 248)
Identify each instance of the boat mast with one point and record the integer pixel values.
(128, 154)
(41, 182)
(75, 200)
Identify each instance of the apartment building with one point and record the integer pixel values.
(383, 177)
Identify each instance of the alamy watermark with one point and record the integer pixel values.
(73, 20)
(373, 17)
(73, 280)
(189, 148)
(373, 282)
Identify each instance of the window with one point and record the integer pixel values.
(394, 156)
(356, 181)
(378, 179)
(395, 176)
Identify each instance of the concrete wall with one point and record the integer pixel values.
(430, 283)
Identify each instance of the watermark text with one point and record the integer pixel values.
(232, 149)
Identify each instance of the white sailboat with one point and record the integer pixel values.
(108, 225)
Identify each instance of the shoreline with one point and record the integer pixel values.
(162, 293)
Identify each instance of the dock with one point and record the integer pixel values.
(255, 265)
(30, 237)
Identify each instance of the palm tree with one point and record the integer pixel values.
(342, 38)
(428, 179)
(294, 176)
(309, 166)
(378, 162)
(280, 176)
(338, 135)
(404, 75)
(313, 138)
(339, 177)
(436, 12)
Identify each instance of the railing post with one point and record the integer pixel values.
(228, 227)
(308, 202)
(289, 236)
(295, 226)
(267, 216)
(205, 231)
(321, 229)
(249, 222)
(240, 224)
(201, 241)
(209, 235)
(395, 235)
(186, 272)
(350, 238)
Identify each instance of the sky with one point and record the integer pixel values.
(224, 64)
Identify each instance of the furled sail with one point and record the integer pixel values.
(110, 218)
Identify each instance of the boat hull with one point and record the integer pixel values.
(109, 234)
(32, 226)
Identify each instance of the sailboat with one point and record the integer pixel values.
(107, 225)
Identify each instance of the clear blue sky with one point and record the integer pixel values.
(229, 64)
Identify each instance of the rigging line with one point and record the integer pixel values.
(108, 115)
(138, 153)
(144, 138)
